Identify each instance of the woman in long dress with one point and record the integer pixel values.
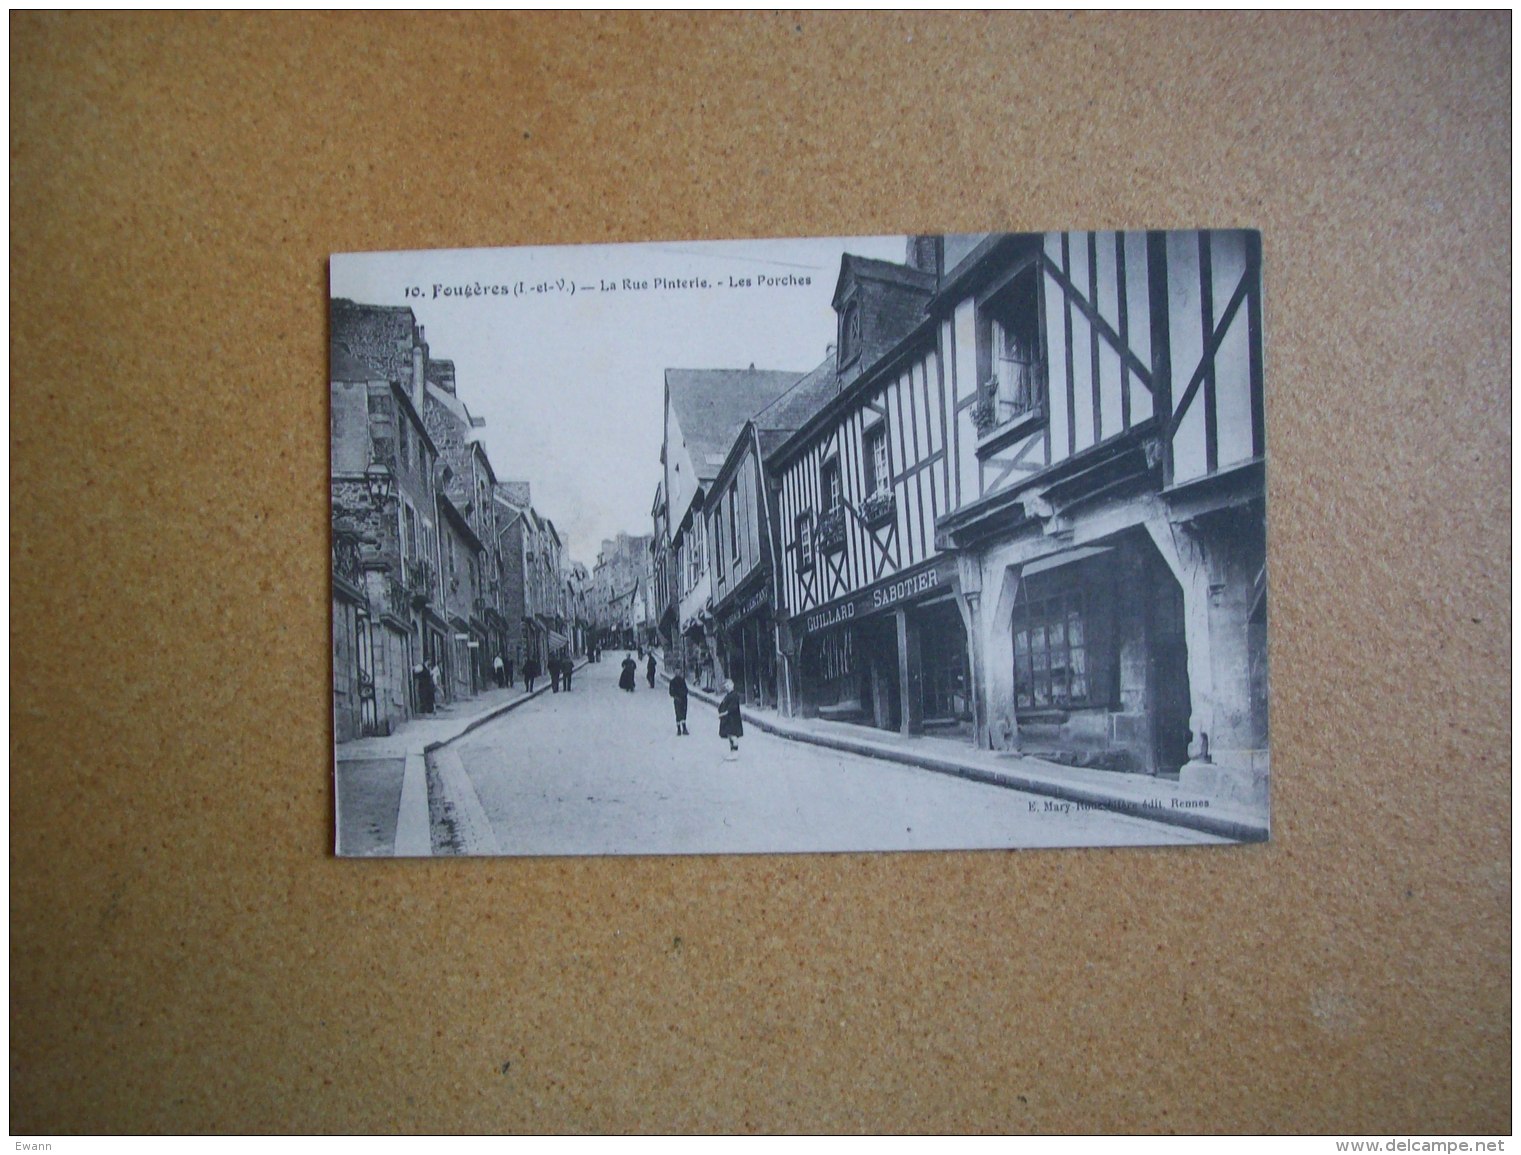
(626, 679)
(730, 724)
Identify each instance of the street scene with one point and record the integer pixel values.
(892, 543)
(601, 771)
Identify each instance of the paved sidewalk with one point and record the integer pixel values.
(1156, 799)
(414, 739)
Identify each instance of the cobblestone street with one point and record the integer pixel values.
(601, 771)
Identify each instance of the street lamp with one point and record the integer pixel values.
(381, 483)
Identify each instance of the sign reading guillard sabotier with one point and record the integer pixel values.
(883, 596)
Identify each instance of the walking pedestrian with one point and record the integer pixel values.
(679, 702)
(554, 672)
(567, 664)
(530, 672)
(730, 724)
(510, 680)
(422, 682)
(626, 679)
(649, 669)
(499, 672)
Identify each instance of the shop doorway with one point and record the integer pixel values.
(947, 676)
(881, 696)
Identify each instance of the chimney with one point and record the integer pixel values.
(924, 253)
(419, 371)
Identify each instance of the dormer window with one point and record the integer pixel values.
(850, 333)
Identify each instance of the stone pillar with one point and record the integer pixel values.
(996, 702)
(910, 675)
(787, 652)
(1185, 557)
(968, 602)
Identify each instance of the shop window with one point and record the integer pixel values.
(1051, 654)
(1011, 357)
(835, 656)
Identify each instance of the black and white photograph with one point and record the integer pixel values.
(920, 542)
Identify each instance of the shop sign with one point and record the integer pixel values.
(761, 597)
(938, 575)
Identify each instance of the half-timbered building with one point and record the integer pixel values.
(874, 631)
(1034, 510)
(743, 540)
(1107, 432)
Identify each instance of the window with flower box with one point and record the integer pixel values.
(878, 506)
(831, 529)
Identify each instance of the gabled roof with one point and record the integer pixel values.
(449, 403)
(872, 269)
(792, 409)
(713, 404)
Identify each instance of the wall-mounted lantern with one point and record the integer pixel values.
(381, 483)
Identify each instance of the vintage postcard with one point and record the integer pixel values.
(844, 544)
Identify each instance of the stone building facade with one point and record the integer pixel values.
(437, 566)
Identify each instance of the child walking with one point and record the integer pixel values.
(679, 701)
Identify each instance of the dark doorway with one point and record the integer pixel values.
(947, 677)
(1167, 671)
(881, 697)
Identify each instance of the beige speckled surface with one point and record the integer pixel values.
(186, 955)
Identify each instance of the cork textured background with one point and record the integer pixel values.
(186, 954)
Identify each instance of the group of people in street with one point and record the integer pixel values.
(630, 672)
(731, 725)
(561, 667)
(501, 671)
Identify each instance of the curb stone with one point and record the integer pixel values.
(1202, 821)
(475, 830)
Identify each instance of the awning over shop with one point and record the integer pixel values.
(558, 640)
